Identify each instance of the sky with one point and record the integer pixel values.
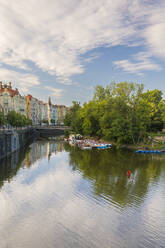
(63, 49)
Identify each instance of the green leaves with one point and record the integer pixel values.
(2, 118)
(121, 112)
(17, 119)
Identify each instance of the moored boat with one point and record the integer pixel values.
(102, 146)
(149, 151)
(86, 147)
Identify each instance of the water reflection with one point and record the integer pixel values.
(26, 157)
(10, 166)
(54, 195)
(108, 169)
(41, 149)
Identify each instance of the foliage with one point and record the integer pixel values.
(72, 118)
(120, 112)
(2, 119)
(17, 119)
(53, 121)
(45, 121)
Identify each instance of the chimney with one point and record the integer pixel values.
(9, 85)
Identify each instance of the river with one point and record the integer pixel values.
(53, 195)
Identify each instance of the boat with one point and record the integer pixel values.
(86, 147)
(100, 146)
(149, 151)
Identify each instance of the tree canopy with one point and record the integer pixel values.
(120, 112)
(2, 118)
(17, 119)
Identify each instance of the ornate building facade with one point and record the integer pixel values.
(10, 99)
(31, 107)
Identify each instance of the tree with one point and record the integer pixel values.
(120, 112)
(70, 117)
(152, 98)
(2, 118)
(17, 119)
(162, 111)
(53, 121)
(100, 93)
(45, 121)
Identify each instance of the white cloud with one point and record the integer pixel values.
(54, 91)
(141, 62)
(23, 81)
(53, 34)
(155, 38)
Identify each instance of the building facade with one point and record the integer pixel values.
(62, 110)
(52, 111)
(10, 99)
(33, 109)
(36, 110)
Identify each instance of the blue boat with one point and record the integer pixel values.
(104, 146)
(149, 151)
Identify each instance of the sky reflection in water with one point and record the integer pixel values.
(54, 195)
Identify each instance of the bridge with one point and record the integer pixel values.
(51, 130)
(43, 131)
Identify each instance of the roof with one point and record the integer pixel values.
(10, 91)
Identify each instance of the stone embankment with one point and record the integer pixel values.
(13, 139)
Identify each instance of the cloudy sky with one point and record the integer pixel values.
(65, 48)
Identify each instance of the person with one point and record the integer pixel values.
(128, 173)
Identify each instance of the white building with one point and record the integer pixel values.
(11, 99)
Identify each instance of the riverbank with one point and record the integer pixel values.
(13, 140)
(154, 142)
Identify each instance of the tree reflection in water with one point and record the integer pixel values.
(107, 169)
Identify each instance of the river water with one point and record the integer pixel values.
(53, 195)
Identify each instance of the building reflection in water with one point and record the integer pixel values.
(26, 157)
(41, 149)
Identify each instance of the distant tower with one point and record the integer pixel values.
(49, 101)
(49, 110)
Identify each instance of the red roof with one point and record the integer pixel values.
(10, 91)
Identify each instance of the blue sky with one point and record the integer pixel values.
(63, 49)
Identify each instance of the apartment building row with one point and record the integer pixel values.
(36, 110)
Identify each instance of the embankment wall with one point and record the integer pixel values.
(12, 140)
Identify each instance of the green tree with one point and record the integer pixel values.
(152, 98)
(2, 118)
(162, 111)
(17, 119)
(71, 116)
(120, 112)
